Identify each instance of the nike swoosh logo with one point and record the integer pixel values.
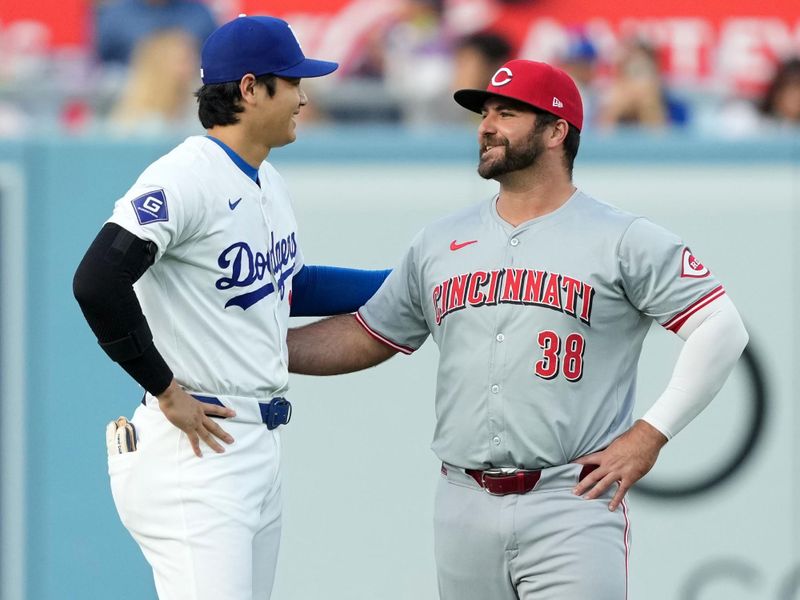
(454, 245)
(233, 204)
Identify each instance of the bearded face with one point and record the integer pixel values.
(497, 156)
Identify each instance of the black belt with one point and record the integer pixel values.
(277, 411)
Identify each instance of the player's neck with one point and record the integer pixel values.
(236, 139)
(525, 196)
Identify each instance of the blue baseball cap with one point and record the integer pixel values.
(580, 48)
(257, 45)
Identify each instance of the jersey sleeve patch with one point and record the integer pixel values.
(691, 267)
(151, 207)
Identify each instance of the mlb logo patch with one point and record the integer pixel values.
(151, 207)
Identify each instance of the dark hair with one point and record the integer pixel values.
(219, 103)
(571, 142)
(787, 72)
(493, 46)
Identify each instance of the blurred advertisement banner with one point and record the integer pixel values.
(728, 46)
(50, 23)
(733, 46)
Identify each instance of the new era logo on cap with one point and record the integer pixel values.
(557, 103)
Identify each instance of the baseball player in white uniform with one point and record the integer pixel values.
(208, 236)
(539, 300)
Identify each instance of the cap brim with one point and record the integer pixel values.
(474, 99)
(309, 68)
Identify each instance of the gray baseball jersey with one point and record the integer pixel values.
(539, 326)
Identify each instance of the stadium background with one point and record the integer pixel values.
(358, 473)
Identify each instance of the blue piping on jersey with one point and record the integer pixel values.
(247, 169)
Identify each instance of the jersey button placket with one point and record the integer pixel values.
(495, 424)
(496, 412)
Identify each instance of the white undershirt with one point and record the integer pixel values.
(714, 339)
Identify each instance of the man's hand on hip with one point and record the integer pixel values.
(193, 418)
(626, 460)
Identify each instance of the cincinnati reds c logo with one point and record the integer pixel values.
(498, 79)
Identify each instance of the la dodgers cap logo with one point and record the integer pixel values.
(536, 83)
(257, 45)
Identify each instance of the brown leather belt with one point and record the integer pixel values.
(499, 483)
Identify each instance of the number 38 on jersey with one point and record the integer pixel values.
(560, 356)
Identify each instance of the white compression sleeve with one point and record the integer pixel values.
(714, 339)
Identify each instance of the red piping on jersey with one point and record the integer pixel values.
(676, 322)
(380, 338)
(627, 545)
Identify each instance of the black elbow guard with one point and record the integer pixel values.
(131, 346)
(103, 286)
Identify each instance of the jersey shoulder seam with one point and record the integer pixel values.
(618, 255)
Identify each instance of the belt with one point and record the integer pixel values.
(498, 482)
(277, 411)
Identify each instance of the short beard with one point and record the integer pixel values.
(515, 158)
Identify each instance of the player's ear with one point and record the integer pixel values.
(558, 134)
(247, 87)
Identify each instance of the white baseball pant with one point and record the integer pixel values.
(209, 527)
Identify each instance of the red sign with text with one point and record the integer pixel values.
(734, 43)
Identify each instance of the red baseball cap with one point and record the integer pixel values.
(536, 83)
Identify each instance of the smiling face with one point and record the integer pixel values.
(508, 138)
(274, 116)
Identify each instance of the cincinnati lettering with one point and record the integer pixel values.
(527, 287)
(246, 267)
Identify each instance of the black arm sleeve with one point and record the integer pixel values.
(103, 287)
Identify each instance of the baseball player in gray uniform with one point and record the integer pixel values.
(208, 236)
(539, 300)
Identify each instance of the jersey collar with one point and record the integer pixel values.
(548, 218)
(245, 168)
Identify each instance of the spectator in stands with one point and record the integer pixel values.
(580, 60)
(638, 95)
(781, 103)
(157, 98)
(477, 57)
(418, 62)
(778, 109)
(120, 24)
(399, 71)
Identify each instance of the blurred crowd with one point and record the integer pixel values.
(143, 67)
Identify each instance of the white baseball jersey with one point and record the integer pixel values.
(539, 326)
(217, 297)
